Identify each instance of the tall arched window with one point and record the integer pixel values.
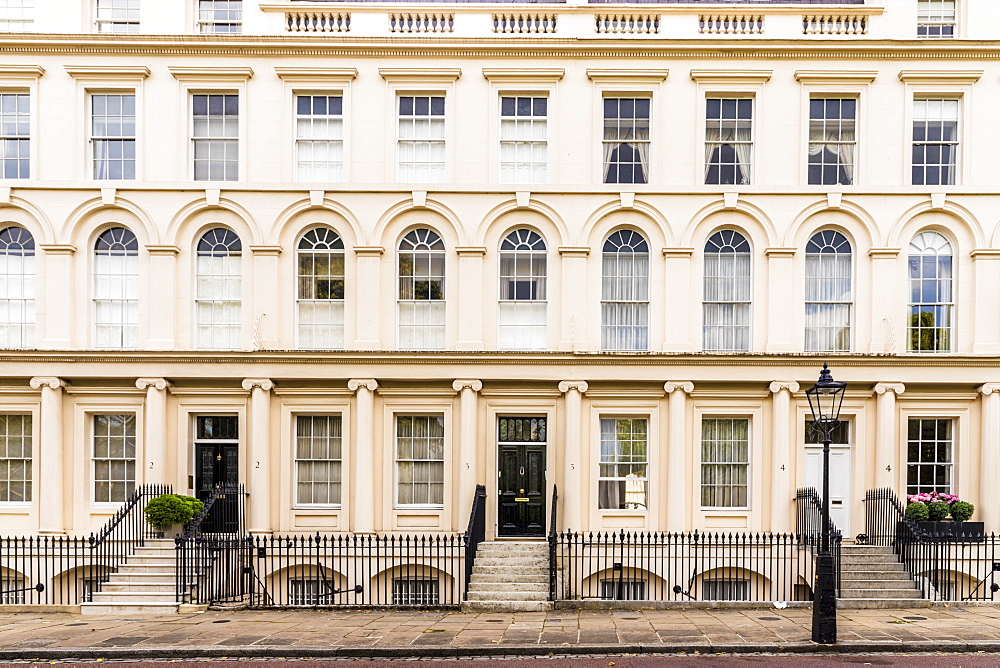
(421, 291)
(625, 292)
(522, 291)
(219, 289)
(17, 288)
(116, 289)
(320, 299)
(929, 325)
(727, 293)
(829, 296)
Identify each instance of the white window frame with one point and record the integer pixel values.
(299, 301)
(635, 235)
(92, 139)
(951, 466)
(17, 15)
(836, 84)
(751, 438)
(30, 487)
(750, 175)
(929, 85)
(27, 300)
(955, 144)
(936, 16)
(950, 305)
(207, 27)
(443, 301)
(445, 459)
(296, 503)
(748, 303)
(518, 121)
(826, 141)
(238, 139)
(646, 480)
(420, 82)
(849, 303)
(443, 141)
(543, 278)
(197, 300)
(605, 163)
(109, 25)
(31, 113)
(130, 280)
(92, 415)
(299, 142)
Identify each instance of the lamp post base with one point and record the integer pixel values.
(824, 620)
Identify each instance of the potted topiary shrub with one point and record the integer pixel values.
(168, 513)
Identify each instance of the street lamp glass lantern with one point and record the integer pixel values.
(825, 398)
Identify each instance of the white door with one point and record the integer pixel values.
(840, 481)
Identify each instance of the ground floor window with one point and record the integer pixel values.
(725, 590)
(624, 458)
(420, 460)
(929, 455)
(114, 457)
(623, 590)
(317, 460)
(725, 462)
(15, 458)
(415, 592)
(308, 592)
(11, 590)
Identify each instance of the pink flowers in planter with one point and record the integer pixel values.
(931, 497)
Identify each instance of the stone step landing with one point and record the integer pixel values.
(872, 577)
(146, 584)
(510, 576)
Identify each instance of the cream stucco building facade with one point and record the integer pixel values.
(366, 256)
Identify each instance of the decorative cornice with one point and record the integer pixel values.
(884, 252)
(836, 76)
(574, 251)
(779, 252)
(58, 249)
(158, 383)
(21, 71)
(214, 73)
(50, 382)
(631, 75)
(421, 74)
(369, 384)
(578, 385)
(940, 76)
(985, 254)
(333, 74)
(685, 386)
(897, 388)
(679, 253)
(107, 71)
(518, 75)
(163, 250)
(473, 251)
(471, 384)
(263, 383)
(266, 250)
(732, 76)
(369, 251)
(779, 385)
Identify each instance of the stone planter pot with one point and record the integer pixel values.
(958, 532)
(171, 531)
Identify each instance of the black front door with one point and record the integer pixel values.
(521, 456)
(217, 465)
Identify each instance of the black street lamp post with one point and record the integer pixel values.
(825, 398)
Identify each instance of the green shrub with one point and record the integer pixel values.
(168, 509)
(961, 511)
(917, 511)
(937, 511)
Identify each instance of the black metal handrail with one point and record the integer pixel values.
(809, 526)
(553, 538)
(475, 534)
(883, 515)
(214, 550)
(117, 540)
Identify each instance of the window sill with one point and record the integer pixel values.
(317, 508)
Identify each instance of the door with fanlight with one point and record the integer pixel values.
(840, 471)
(521, 476)
(216, 451)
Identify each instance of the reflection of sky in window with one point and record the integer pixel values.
(930, 279)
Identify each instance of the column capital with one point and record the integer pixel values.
(47, 381)
(989, 388)
(779, 385)
(369, 384)
(578, 385)
(158, 383)
(685, 386)
(897, 388)
(467, 383)
(263, 383)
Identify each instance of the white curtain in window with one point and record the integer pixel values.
(725, 462)
(17, 300)
(421, 324)
(828, 301)
(321, 324)
(218, 297)
(318, 459)
(727, 301)
(625, 301)
(116, 300)
(714, 136)
(635, 137)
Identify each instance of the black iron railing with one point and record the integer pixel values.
(61, 564)
(212, 555)
(809, 527)
(947, 566)
(475, 534)
(652, 566)
(553, 542)
(117, 539)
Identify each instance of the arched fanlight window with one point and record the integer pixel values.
(929, 325)
(522, 291)
(421, 305)
(726, 305)
(625, 292)
(116, 289)
(320, 296)
(219, 289)
(17, 288)
(829, 295)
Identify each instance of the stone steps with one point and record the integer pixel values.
(873, 577)
(146, 584)
(510, 576)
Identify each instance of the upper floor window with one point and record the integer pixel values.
(219, 289)
(116, 289)
(828, 292)
(15, 133)
(523, 139)
(832, 140)
(421, 142)
(319, 137)
(17, 288)
(930, 261)
(622, 472)
(320, 302)
(626, 140)
(728, 141)
(114, 457)
(625, 292)
(220, 16)
(215, 137)
(15, 458)
(522, 291)
(117, 15)
(727, 293)
(112, 135)
(936, 19)
(16, 15)
(935, 141)
(421, 305)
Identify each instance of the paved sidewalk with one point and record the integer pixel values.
(319, 633)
